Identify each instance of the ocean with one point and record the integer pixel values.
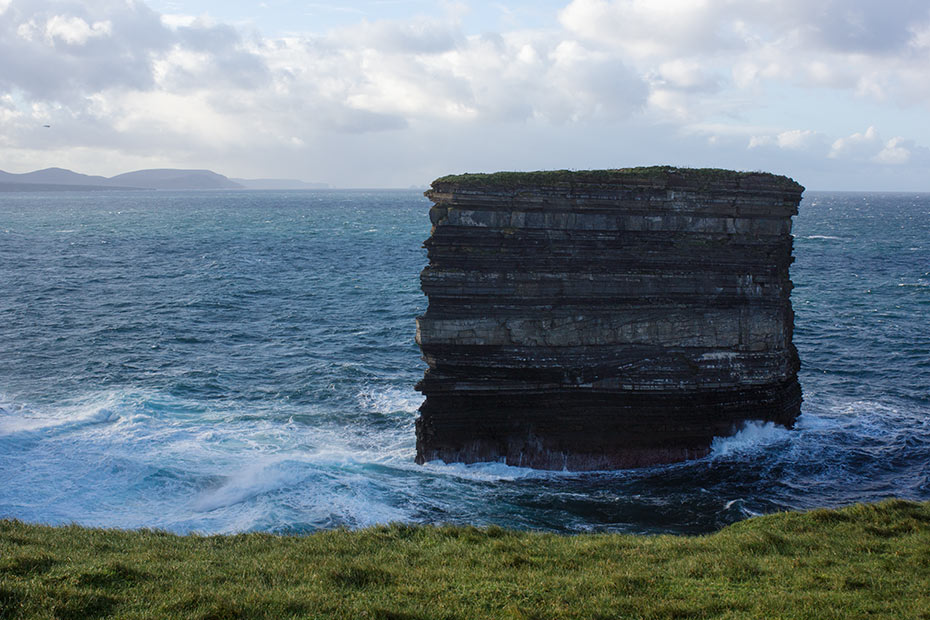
(222, 362)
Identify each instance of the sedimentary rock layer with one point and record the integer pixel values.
(605, 319)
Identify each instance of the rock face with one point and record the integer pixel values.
(605, 319)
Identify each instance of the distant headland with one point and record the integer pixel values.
(60, 179)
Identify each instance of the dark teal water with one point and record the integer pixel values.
(223, 362)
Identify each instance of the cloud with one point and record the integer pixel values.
(896, 151)
(643, 81)
(647, 29)
(74, 30)
(858, 145)
(869, 48)
(678, 27)
(419, 36)
(686, 74)
(513, 76)
(8, 109)
(63, 50)
(859, 26)
(792, 139)
(67, 50)
(869, 146)
(796, 139)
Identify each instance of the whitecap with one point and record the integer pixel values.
(492, 471)
(17, 419)
(390, 400)
(362, 510)
(256, 478)
(739, 505)
(753, 436)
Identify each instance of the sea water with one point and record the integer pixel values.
(237, 361)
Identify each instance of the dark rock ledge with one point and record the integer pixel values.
(605, 319)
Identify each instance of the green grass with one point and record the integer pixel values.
(699, 177)
(862, 561)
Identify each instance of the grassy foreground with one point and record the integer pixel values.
(860, 561)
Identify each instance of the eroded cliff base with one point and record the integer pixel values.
(580, 430)
(605, 319)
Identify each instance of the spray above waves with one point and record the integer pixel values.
(753, 437)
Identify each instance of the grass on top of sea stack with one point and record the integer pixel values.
(642, 175)
(861, 561)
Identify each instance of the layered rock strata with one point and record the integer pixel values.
(605, 319)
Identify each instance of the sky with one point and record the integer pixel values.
(394, 93)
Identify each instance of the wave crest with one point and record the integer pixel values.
(753, 436)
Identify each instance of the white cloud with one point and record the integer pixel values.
(8, 109)
(178, 20)
(792, 140)
(857, 145)
(855, 45)
(649, 29)
(418, 36)
(686, 74)
(65, 50)
(757, 141)
(896, 151)
(74, 30)
(26, 30)
(869, 146)
(796, 138)
(920, 36)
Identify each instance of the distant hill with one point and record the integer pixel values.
(168, 178)
(53, 176)
(52, 179)
(57, 187)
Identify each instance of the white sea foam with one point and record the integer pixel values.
(19, 419)
(134, 459)
(827, 237)
(489, 471)
(739, 504)
(361, 506)
(253, 479)
(390, 400)
(277, 491)
(754, 435)
(878, 422)
(6, 405)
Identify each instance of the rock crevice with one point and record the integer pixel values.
(605, 319)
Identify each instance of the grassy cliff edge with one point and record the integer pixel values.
(863, 560)
(660, 176)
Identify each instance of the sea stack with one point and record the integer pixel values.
(587, 320)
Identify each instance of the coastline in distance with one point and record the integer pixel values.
(60, 179)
